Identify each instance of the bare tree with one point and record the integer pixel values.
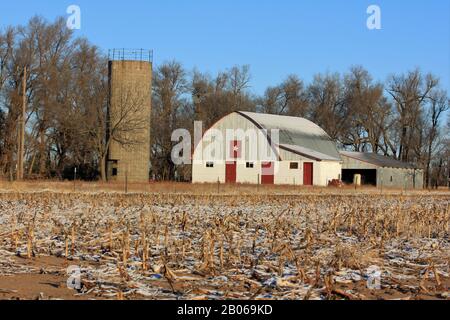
(9, 80)
(326, 104)
(7, 40)
(169, 87)
(213, 98)
(439, 104)
(409, 93)
(289, 98)
(367, 111)
(238, 84)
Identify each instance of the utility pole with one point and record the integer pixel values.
(21, 133)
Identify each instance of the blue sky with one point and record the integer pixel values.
(275, 38)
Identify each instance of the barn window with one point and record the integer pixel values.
(115, 172)
(392, 179)
(294, 166)
(250, 165)
(210, 164)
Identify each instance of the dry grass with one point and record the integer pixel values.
(196, 189)
(252, 246)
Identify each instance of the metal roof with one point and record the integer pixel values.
(378, 160)
(298, 135)
(308, 153)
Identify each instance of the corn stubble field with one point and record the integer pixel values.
(218, 246)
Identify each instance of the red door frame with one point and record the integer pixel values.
(308, 174)
(268, 173)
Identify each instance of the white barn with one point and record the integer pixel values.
(252, 148)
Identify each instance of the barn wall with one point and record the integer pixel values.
(328, 171)
(248, 175)
(202, 174)
(287, 176)
(401, 178)
(324, 171)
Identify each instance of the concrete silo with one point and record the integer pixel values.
(129, 113)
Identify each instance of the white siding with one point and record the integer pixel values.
(248, 175)
(287, 176)
(323, 171)
(328, 171)
(202, 174)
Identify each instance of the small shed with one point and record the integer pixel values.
(380, 171)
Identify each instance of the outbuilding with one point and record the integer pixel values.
(380, 171)
(254, 148)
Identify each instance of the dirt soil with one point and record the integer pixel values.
(39, 286)
(43, 286)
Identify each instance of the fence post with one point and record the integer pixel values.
(405, 183)
(381, 179)
(218, 185)
(126, 181)
(74, 178)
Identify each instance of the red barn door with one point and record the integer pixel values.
(231, 167)
(308, 171)
(268, 173)
(231, 172)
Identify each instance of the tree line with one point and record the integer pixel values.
(404, 117)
